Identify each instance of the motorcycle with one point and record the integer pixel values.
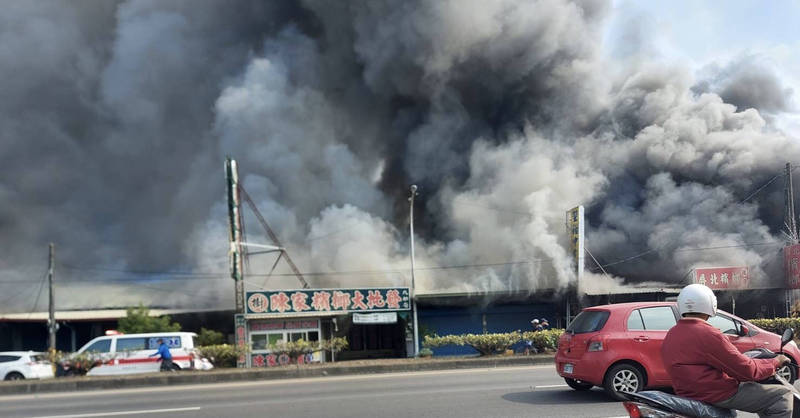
(657, 404)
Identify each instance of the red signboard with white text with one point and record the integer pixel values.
(723, 277)
(791, 258)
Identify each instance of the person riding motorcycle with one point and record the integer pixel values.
(705, 366)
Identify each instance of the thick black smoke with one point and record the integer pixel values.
(115, 119)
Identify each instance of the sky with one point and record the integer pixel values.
(660, 118)
(701, 33)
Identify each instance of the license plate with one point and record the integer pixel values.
(568, 368)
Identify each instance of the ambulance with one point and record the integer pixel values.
(131, 353)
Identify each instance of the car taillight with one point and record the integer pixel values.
(595, 345)
(637, 410)
(633, 409)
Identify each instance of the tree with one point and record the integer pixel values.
(138, 320)
(209, 337)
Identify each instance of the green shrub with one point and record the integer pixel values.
(221, 355)
(209, 337)
(547, 339)
(76, 364)
(487, 344)
(777, 325)
(295, 348)
(426, 352)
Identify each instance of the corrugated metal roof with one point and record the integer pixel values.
(634, 291)
(89, 315)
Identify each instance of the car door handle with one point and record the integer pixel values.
(641, 338)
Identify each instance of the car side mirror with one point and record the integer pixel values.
(787, 336)
(744, 331)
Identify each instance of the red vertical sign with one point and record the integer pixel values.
(723, 277)
(791, 259)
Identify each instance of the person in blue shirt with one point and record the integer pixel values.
(166, 356)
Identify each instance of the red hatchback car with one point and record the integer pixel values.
(618, 347)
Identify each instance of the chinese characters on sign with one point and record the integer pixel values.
(791, 257)
(240, 325)
(723, 277)
(328, 300)
(272, 360)
(280, 325)
(575, 231)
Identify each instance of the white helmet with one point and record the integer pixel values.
(535, 321)
(697, 298)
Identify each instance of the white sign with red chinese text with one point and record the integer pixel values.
(375, 318)
(791, 258)
(723, 277)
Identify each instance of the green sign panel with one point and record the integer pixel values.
(329, 300)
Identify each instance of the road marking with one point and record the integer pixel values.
(108, 414)
(323, 379)
(550, 386)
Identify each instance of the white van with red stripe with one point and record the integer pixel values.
(131, 353)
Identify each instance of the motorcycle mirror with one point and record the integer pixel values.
(787, 336)
(744, 331)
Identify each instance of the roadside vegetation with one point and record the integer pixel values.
(498, 343)
(138, 320)
(225, 355)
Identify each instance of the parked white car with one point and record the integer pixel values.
(18, 365)
(131, 353)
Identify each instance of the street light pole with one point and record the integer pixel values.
(52, 326)
(413, 284)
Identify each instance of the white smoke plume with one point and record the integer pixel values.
(116, 118)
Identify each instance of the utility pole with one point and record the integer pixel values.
(235, 223)
(789, 220)
(790, 223)
(52, 326)
(413, 284)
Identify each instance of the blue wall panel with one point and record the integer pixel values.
(463, 320)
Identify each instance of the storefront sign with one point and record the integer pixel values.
(375, 318)
(281, 325)
(723, 277)
(791, 257)
(240, 328)
(575, 231)
(328, 300)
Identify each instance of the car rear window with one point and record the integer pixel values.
(660, 318)
(40, 358)
(588, 321)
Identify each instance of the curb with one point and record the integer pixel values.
(69, 384)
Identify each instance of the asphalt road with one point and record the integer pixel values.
(501, 392)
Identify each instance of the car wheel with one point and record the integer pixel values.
(14, 376)
(787, 372)
(622, 379)
(578, 384)
(175, 367)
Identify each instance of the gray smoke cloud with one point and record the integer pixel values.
(747, 83)
(116, 119)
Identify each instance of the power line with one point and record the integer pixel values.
(163, 275)
(762, 187)
(16, 295)
(39, 294)
(642, 254)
